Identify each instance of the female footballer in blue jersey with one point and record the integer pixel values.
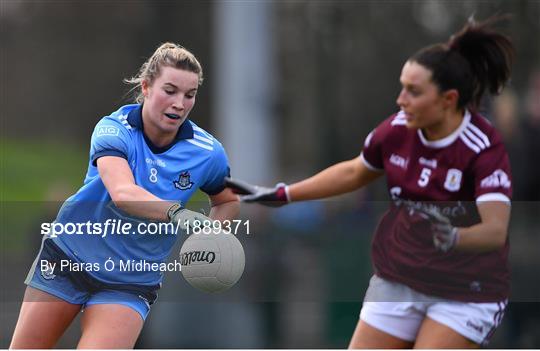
(440, 252)
(146, 160)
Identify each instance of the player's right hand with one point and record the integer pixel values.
(273, 197)
(186, 218)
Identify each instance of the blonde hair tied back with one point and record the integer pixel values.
(166, 55)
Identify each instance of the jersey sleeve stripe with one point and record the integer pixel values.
(123, 120)
(126, 124)
(204, 132)
(480, 134)
(475, 139)
(369, 165)
(201, 138)
(469, 143)
(204, 146)
(493, 197)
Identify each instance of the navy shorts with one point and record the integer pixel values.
(78, 287)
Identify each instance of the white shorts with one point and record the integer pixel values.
(398, 310)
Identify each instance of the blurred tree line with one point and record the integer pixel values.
(63, 62)
(338, 61)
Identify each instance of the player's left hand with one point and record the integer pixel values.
(273, 197)
(445, 235)
(187, 219)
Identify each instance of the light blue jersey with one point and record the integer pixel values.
(195, 160)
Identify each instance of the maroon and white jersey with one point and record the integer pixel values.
(454, 173)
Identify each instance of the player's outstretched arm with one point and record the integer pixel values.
(338, 179)
(335, 180)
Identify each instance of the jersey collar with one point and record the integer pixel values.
(135, 120)
(440, 143)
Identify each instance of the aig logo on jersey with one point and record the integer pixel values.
(107, 130)
(184, 181)
(453, 180)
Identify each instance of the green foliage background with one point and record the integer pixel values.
(29, 171)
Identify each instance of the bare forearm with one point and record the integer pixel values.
(338, 179)
(482, 237)
(491, 233)
(139, 202)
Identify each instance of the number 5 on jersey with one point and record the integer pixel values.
(424, 177)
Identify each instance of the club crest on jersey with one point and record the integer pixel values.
(184, 181)
(47, 270)
(453, 180)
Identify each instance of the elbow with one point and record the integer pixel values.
(500, 237)
(497, 239)
(121, 196)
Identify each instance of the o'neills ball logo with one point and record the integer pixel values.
(191, 257)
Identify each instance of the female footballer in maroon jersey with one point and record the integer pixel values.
(440, 252)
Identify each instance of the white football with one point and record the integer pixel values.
(212, 262)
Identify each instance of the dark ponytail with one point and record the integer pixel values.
(475, 60)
